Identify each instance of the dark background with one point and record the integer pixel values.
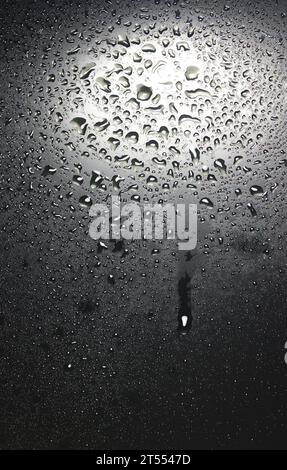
(97, 362)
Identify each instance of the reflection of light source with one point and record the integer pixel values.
(152, 98)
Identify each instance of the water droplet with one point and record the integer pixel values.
(191, 72)
(144, 92)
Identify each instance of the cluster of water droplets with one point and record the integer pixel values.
(160, 103)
